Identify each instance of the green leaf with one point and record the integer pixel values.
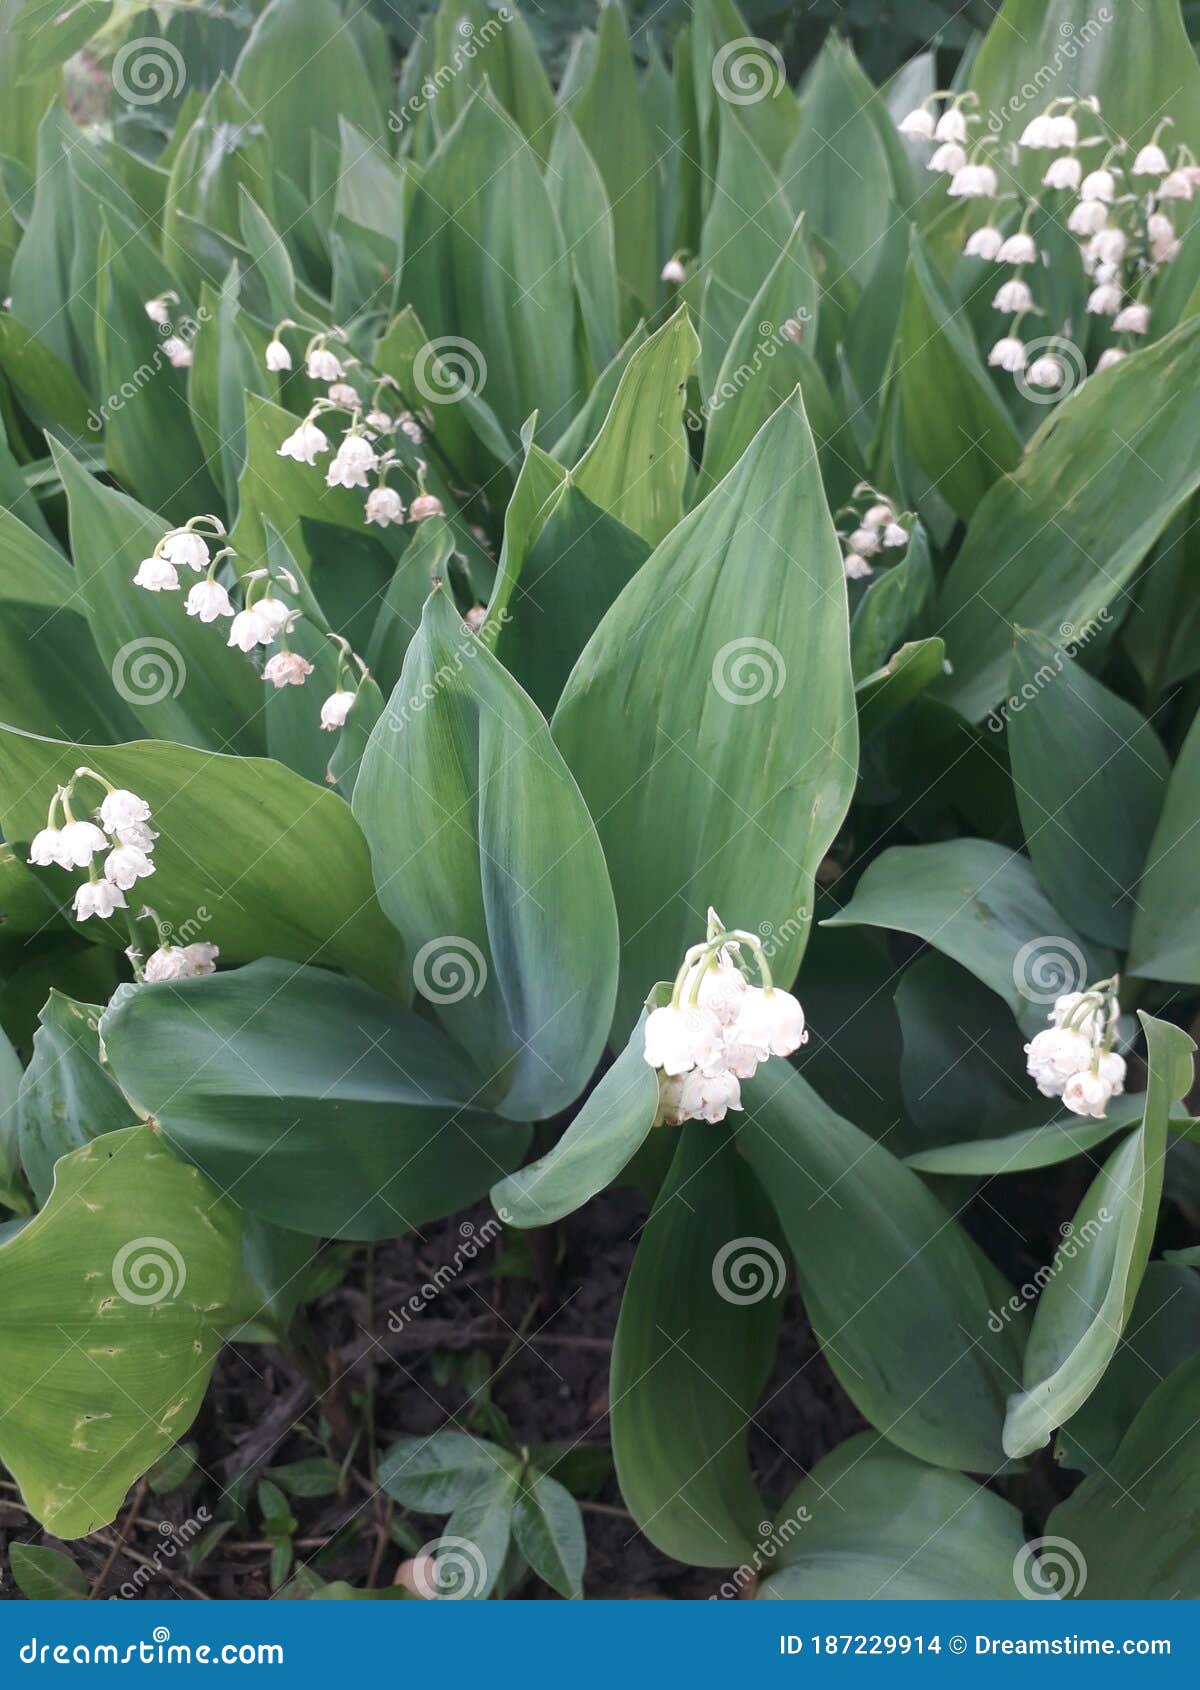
(113, 1299)
(259, 903)
(870, 1523)
(898, 1295)
(1029, 1147)
(226, 369)
(66, 1097)
(711, 712)
(222, 156)
(906, 674)
(471, 1554)
(377, 1131)
(607, 1132)
(486, 873)
(955, 424)
(548, 1530)
(179, 678)
(636, 466)
(1089, 837)
(981, 904)
(46, 1575)
(1053, 545)
(1163, 1333)
(894, 608)
(1095, 1276)
(581, 202)
(695, 1340)
(316, 1476)
(1165, 943)
(1134, 1525)
(42, 379)
(436, 1474)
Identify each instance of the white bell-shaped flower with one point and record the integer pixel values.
(179, 353)
(695, 1096)
(678, 1039)
(125, 865)
(156, 575)
(208, 600)
(352, 463)
(122, 808)
(1053, 1056)
(425, 505)
(894, 535)
(384, 506)
(169, 962)
(305, 444)
(335, 710)
(342, 394)
(1063, 131)
(287, 669)
(973, 182)
(722, 989)
(951, 126)
(856, 567)
(1151, 161)
(275, 614)
(1176, 185)
(137, 834)
(158, 311)
(984, 243)
(1090, 1091)
(673, 273)
(250, 628)
(1008, 354)
(278, 360)
(1133, 319)
(1064, 173)
(324, 365)
(770, 1021)
(1105, 301)
(865, 541)
(948, 158)
(1012, 297)
(876, 515)
(1099, 185)
(1114, 355)
(98, 897)
(917, 125)
(1087, 217)
(1046, 372)
(202, 957)
(78, 843)
(185, 549)
(45, 849)
(1086, 1013)
(1019, 248)
(1107, 246)
(1037, 132)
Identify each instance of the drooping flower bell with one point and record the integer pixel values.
(917, 125)
(78, 843)
(323, 365)
(1008, 354)
(949, 158)
(179, 353)
(352, 463)
(335, 710)
(125, 865)
(156, 575)
(1013, 297)
(1087, 217)
(185, 549)
(1099, 185)
(1063, 173)
(287, 669)
(384, 506)
(673, 273)
(278, 360)
(121, 808)
(1132, 319)
(973, 181)
(984, 243)
(424, 506)
(208, 600)
(98, 897)
(305, 444)
(1019, 248)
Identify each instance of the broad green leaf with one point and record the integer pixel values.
(711, 711)
(1089, 835)
(1041, 1146)
(729, 61)
(179, 677)
(872, 1524)
(223, 155)
(1055, 544)
(695, 1340)
(982, 905)
(548, 1531)
(437, 1473)
(1163, 1333)
(474, 1547)
(364, 1122)
(227, 368)
(66, 1097)
(46, 1575)
(609, 115)
(748, 226)
(636, 466)
(607, 1132)
(955, 424)
(1095, 1276)
(398, 618)
(46, 384)
(898, 1295)
(113, 1300)
(1165, 943)
(906, 674)
(1134, 1525)
(484, 857)
(581, 202)
(258, 901)
(894, 608)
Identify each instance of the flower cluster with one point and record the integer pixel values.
(717, 1028)
(1122, 220)
(957, 154)
(121, 829)
(264, 619)
(1073, 1058)
(876, 528)
(357, 459)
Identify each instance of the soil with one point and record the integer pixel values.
(519, 1340)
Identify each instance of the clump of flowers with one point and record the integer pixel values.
(1074, 1057)
(957, 153)
(119, 828)
(718, 1027)
(874, 527)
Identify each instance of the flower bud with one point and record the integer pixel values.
(1134, 319)
(1008, 354)
(673, 273)
(425, 505)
